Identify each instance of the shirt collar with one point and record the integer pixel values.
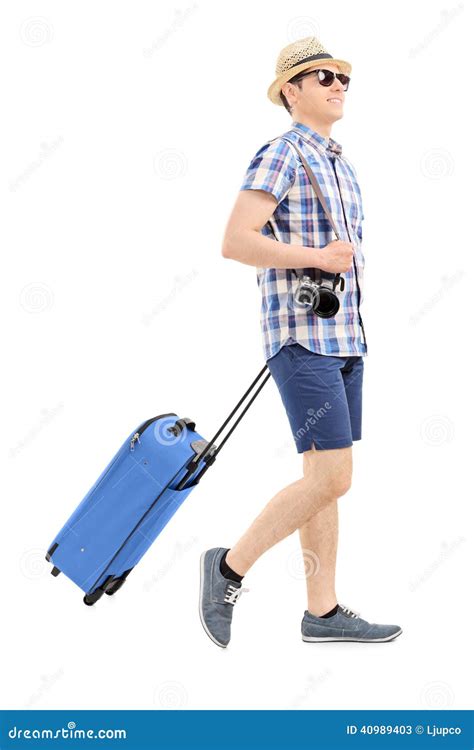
(310, 135)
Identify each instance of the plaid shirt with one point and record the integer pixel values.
(299, 219)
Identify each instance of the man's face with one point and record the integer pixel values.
(326, 102)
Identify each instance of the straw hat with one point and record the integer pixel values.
(296, 57)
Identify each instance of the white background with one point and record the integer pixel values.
(127, 129)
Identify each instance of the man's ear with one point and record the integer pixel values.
(286, 88)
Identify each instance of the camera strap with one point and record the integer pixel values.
(321, 198)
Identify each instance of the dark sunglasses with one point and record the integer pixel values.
(325, 77)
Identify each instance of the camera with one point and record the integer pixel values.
(318, 294)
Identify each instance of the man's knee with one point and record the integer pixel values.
(328, 473)
(341, 484)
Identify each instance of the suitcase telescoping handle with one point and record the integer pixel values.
(209, 454)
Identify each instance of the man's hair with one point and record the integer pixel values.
(296, 79)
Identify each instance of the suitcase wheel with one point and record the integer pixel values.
(55, 571)
(110, 586)
(91, 599)
(117, 584)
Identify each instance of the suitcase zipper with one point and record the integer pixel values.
(134, 440)
(143, 427)
(146, 424)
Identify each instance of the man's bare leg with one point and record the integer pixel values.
(319, 537)
(327, 476)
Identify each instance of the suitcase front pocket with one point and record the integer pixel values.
(92, 541)
(146, 532)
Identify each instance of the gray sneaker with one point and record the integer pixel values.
(345, 625)
(217, 597)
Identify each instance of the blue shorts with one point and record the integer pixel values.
(322, 396)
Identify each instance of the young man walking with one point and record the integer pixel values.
(279, 226)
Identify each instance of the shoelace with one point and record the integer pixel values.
(233, 593)
(349, 612)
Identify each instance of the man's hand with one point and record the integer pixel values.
(336, 257)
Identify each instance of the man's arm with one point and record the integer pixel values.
(244, 242)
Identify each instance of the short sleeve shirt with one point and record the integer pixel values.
(299, 219)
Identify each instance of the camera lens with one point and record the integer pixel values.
(328, 304)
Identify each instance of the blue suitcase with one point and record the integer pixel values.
(136, 495)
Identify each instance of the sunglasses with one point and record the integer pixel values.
(325, 77)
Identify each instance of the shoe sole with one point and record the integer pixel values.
(309, 639)
(201, 615)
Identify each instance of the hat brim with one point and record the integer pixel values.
(274, 90)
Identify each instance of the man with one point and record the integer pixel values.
(278, 225)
